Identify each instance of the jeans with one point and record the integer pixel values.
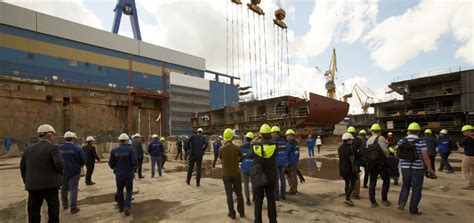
(412, 178)
(139, 168)
(260, 193)
(124, 181)
(293, 179)
(374, 173)
(156, 160)
(319, 149)
(35, 201)
(445, 162)
(246, 177)
(349, 180)
(432, 161)
(280, 175)
(198, 162)
(89, 171)
(70, 184)
(234, 184)
(179, 154)
(311, 151)
(216, 155)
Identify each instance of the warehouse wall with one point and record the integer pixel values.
(223, 95)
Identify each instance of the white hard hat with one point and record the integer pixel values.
(154, 136)
(90, 138)
(443, 131)
(69, 134)
(347, 136)
(45, 129)
(200, 130)
(220, 137)
(123, 136)
(137, 135)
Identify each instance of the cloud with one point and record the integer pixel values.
(398, 39)
(331, 20)
(72, 10)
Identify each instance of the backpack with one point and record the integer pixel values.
(374, 154)
(258, 177)
(407, 150)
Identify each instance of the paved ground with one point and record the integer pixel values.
(169, 199)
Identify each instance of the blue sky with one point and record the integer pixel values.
(375, 40)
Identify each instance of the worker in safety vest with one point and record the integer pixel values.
(265, 158)
(282, 163)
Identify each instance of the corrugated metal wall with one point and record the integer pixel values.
(223, 95)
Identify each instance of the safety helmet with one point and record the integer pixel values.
(466, 128)
(123, 136)
(265, 128)
(390, 133)
(45, 129)
(443, 131)
(162, 139)
(200, 130)
(351, 130)
(428, 131)
(414, 127)
(137, 135)
(347, 136)
(275, 129)
(154, 136)
(90, 138)
(376, 127)
(362, 132)
(290, 132)
(69, 134)
(228, 134)
(249, 135)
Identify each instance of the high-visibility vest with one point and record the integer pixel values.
(268, 150)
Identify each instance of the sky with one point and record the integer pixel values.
(376, 41)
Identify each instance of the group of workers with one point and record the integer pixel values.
(413, 154)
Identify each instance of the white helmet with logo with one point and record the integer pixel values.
(45, 129)
(123, 136)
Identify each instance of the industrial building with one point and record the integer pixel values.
(442, 100)
(95, 82)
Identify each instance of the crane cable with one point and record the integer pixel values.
(250, 49)
(260, 53)
(238, 42)
(274, 61)
(266, 60)
(281, 60)
(242, 82)
(233, 74)
(255, 54)
(287, 59)
(227, 40)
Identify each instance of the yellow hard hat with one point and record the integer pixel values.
(249, 135)
(414, 127)
(275, 129)
(428, 131)
(362, 132)
(466, 128)
(351, 130)
(162, 139)
(376, 127)
(228, 134)
(290, 132)
(265, 128)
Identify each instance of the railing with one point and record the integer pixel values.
(431, 73)
(437, 93)
(263, 96)
(422, 111)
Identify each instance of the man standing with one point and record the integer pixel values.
(347, 169)
(74, 159)
(310, 144)
(41, 168)
(164, 157)
(363, 148)
(197, 147)
(444, 149)
(319, 143)
(123, 161)
(282, 163)
(247, 161)
(179, 148)
(230, 156)
(186, 147)
(91, 157)
(412, 168)
(293, 158)
(215, 146)
(431, 143)
(356, 147)
(376, 154)
(468, 162)
(155, 149)
(265, 157)
(138, 147)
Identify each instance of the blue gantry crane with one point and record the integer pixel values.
(129, 8)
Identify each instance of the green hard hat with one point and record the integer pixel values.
(290, 132)
(466, 128)
(414, 127)
(249, 135)
(376, 127)
(351, 130)
(275, 129)
(265, 128)
(428, 131)
(228, 134)
(362, 132)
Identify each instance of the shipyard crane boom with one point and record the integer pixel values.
(358, 91)
(129, 8)
(330, 76)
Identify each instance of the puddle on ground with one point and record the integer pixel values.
(8, 164)
(14, 213)
(100, 199)
(329, 168)
(207, 171)
(331, 155)
(152, 210)
(10, 168)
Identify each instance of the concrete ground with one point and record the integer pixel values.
(169, 199)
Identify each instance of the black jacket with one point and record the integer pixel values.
(345, 166)
(91, 155)
(138, 147)
(431, 143)
(42, 166)
(268, 164)
(197, 146)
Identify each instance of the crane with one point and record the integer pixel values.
(330, 76)
(129, 8)
(365, 104)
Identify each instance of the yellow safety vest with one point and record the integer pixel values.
(268, 150)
